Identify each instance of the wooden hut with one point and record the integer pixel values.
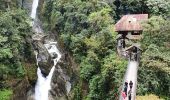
(129, 26)
(133, 52)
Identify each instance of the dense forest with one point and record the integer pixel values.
(85, 28)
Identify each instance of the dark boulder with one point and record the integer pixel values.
(63, 79)
(45, 62)
(54, 55)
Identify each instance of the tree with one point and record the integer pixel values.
(86, 29)
(155, 60)
(159, 7)
(131, 6)
(14, 28)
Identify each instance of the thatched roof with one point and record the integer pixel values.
(130, 22)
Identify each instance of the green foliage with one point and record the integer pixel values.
(155, 60)
(86, 28)
(156, 38)
(5, 53)
(98, 88)
(157, 28)
(77, 93)
(5, 94)
(105, 85)
(159, 7)
(133, 6)
(116, 64)
(19, 69)
(89, 66)
(153, 81)
(14, 28)
(100, 19)
(151, 7)
(8, 4)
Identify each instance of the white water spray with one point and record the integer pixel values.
(43, 84)
(34, 8)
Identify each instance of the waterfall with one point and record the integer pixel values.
(35, 24)
(43, 83)
(34, 8)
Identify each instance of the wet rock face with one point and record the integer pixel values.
(58, 84)
(44, 59)
(64, 76)
(27, 4)
(62, 79)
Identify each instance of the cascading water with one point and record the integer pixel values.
(43, 83)
(36, 26)
(34, 8)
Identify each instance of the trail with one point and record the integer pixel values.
(131, 75)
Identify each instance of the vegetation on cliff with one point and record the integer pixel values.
(5, 94)
(86, 28)
(15, 48)
(155, 60)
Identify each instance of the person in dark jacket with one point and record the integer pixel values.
(124, 93)
(125, 88)
(130, 91)
(131, 84)
(130, 94)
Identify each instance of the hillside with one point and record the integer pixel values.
(87, 40)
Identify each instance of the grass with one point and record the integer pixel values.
(5, 94)
(149, 97)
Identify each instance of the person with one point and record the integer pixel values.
(130, 91)
(130, 55)
(125, 88)
(134, 51)
(124, 44)
(131, 84)
(130, 94)
(119, 42)
(124, 93)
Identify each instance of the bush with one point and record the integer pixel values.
(5, 94)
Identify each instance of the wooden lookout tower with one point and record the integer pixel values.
(129, 27)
